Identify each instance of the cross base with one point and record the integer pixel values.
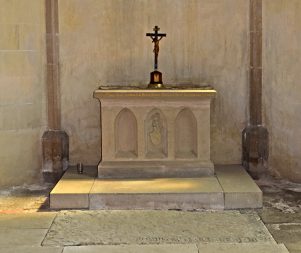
(155, 80)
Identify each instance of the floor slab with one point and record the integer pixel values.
(21, 237)
(28, 220)
(28, 249)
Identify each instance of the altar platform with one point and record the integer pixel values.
(230, 188)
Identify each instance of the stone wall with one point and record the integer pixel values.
(281, 85)
(104, 43)
(22, 90)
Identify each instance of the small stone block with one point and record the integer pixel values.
(239, 188)
(72, 191)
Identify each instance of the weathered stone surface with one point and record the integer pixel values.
(286, 232)
(269, 216)
(155, 227)
(55, 147)
(187, 248)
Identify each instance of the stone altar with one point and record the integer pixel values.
(154, 133)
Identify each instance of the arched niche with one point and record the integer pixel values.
(156, 134)
(185, 134)
(126, 143)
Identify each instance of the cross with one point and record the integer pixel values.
(156, 37)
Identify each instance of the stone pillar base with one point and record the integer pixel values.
(55, 146)
(255, 149)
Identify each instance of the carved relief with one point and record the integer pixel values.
(156, 135)
(186, 134)
(126, 143)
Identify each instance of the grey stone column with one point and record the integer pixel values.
(55, 142)
(255, 135)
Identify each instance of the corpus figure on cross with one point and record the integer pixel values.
(156, 37)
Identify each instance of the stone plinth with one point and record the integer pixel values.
(155, 133)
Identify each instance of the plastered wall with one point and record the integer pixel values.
(22, 90)
(281, 85)
(103, 42)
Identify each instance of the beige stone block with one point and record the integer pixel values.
(172, 248)
(21, 116)
(10, 37)
(31, 36)
(242, 247)
(20, 156)
(22, 89)
(20, 63)
(11, 86)
(41, 220)
(239, 188)
(21, 237)
(21, 11)
(72, 191)
(165, 193)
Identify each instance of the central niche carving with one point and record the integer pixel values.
(156, 134)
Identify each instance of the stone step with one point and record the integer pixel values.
(160, 193)
(231, 188)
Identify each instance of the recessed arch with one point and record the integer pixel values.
(126, 141)
(185, 134)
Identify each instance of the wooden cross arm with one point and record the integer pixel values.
(158, 34)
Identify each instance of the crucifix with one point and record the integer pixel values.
(156, 37)
(156, 76)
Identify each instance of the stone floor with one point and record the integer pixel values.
(28, 225)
